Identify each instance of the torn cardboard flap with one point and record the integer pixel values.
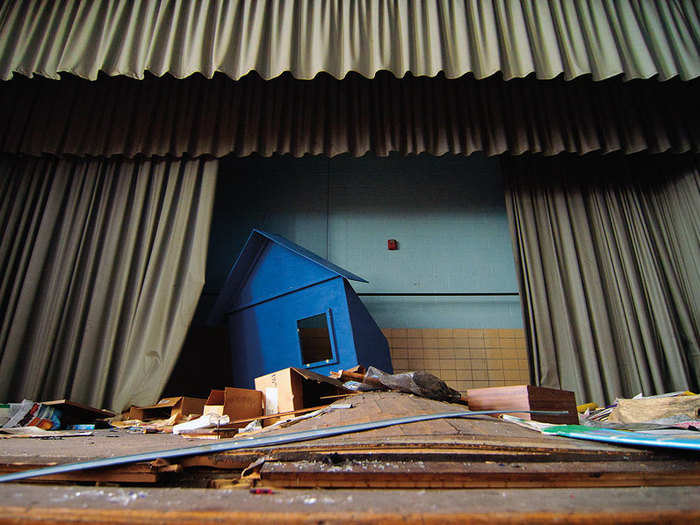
(169, 408)
(292, 389)
(215, 403)
(236, 403)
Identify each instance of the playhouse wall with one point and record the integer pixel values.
(278, 271)
(371, 345)
(264, 337)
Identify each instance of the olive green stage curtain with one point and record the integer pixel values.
(198, 116)
(101, 266)
(608, 254)
(602, 38)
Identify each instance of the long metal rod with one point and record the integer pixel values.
(246, 443)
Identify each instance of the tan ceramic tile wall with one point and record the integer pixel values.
(464, 358)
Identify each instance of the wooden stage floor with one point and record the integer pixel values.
(397, 474)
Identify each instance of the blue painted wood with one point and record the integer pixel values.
(372, 347)
(275, 283)
(268, 266)
(299, 250)
(264, 337)
(277, 272)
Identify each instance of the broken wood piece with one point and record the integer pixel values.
(241, 422)
(163, 465)
(347, 375)
(342, 395)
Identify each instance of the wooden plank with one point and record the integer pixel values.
(443, 474)
(136, 473)
(239, 422)
(17, 515)
(37, 504)
(526, 397)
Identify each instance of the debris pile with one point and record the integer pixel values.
(679, 410)
(667, 421)
(59, 418)
(419, 383)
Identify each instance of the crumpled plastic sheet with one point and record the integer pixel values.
(419, 383)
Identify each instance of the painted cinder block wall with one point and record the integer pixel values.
(448, 214)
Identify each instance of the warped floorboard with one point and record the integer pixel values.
(470, 452)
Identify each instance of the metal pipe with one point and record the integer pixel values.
(246, 443)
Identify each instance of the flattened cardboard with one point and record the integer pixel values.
(526, 397)
(292, 389)
(73, 413)
(168, 407)
(242, 403)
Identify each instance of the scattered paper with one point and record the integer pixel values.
(31, 414)
(206, 421)
(36, 432)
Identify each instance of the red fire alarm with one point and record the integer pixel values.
(392, 244)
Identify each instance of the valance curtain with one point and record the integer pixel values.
(608, 253)
(603, 38)
(198, 116)
(101, 267)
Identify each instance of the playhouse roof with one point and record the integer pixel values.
(248, 257)
(304, 253)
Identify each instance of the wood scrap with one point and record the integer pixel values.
(450, 474)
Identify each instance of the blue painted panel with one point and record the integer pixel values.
(264, 337)
(278, 271)
(268, 266)
(372, 347)
(300, 250)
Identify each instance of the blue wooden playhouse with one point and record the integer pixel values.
(288, 307)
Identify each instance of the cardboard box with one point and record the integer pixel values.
(236, 403)
(293, 389)
(169, 407)
(526, 397)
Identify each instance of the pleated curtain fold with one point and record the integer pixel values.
(608, 255)
(101, 267)
(198, 116)
(602, 38)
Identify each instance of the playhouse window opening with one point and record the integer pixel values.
(314, 339)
